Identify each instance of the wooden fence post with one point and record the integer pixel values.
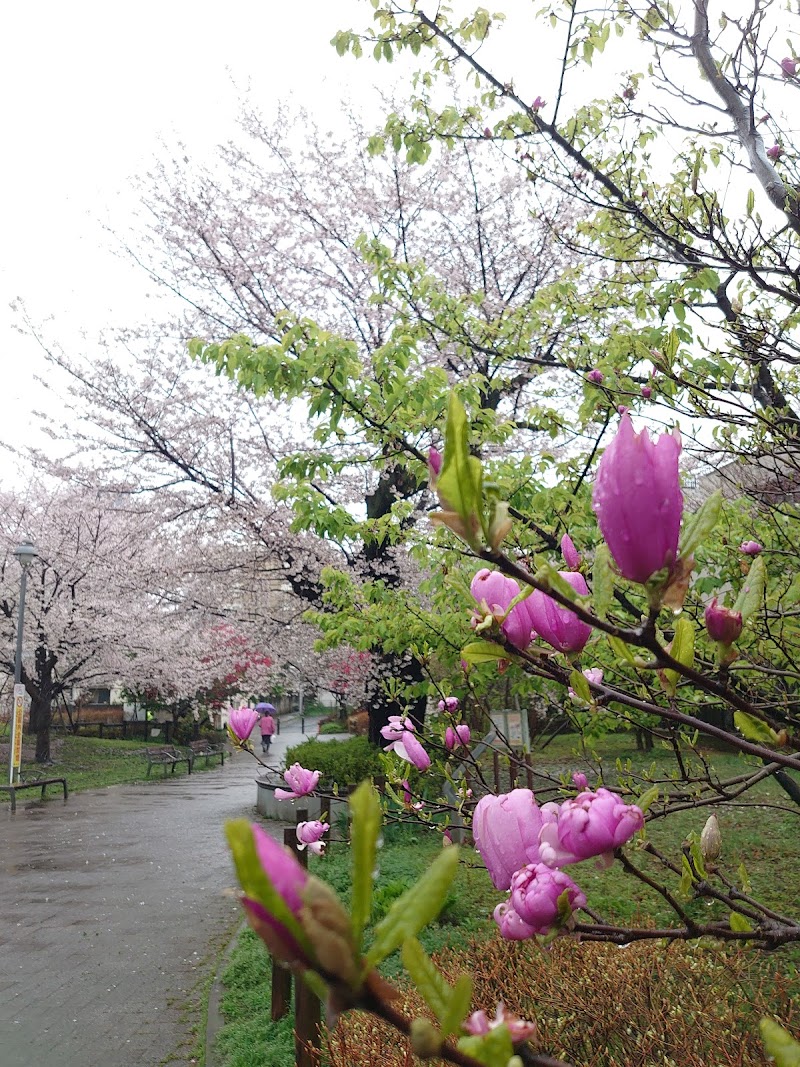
(307, 1040)
(282, 976)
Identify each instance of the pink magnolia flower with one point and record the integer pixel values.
(241, 722)
(448, 704)
(789, 67)
(479, 1023)
(455, 736)
(288, 878)
(593, 675)
(300, 781)
(774, 152)
(434, 463)
(409, 748)
(646, 392)
(538, 104)
(495, 591)
(638, 501)
(557, 625)
(535, 890)
(572, 557)
(590, 824)
(396, 727)
(723, 624)
(579, 780)
(309, 835)
(506, 832)
(595, 376)
(751, 548)
(447, 839)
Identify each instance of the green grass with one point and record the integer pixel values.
(251, 1038)
(93, 762)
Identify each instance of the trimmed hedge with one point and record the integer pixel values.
(341, 762)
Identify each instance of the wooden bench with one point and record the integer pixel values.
(169, 756)
(34, 783)
(205, 748)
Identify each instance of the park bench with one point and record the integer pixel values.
(169, 756)
(205, 748)
(33, 783)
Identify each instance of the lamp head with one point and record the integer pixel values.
(26, 553)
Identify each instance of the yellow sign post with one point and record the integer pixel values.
(16, 731)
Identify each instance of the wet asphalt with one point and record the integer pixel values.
(114, 907)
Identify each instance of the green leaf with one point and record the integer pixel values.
(434, 990)
(420, 905)
(482, 652)
(621, 650)
(681, 649)
(602, 581)
(550, 578)
(458, 1005)
(739, 924)
(753, 729)
(751, 202)
(449, 1004)
(780, 1044)
(648, 798)
(698, 526)
(751, 596)
(580, 686)
(254, 881)
(459, 482)
(366, 827)
(493, 1049)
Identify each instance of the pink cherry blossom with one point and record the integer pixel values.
(300, 781)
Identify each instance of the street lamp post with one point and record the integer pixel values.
(26, 554)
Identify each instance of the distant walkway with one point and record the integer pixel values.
(113, 908)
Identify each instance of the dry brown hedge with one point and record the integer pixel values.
(602, 1006)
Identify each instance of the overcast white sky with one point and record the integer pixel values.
(90, 89)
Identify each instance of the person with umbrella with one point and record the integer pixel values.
(267, 724)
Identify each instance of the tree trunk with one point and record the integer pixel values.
(380, 706)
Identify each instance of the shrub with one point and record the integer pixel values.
(341, 762)
(337, 727)
(600, 1006)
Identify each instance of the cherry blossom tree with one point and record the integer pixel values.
(431, 275)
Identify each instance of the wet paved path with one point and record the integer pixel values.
(113, 908)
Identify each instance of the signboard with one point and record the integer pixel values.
(16, 731)
(513, 727)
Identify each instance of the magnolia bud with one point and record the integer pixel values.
(711, 840)
(426, 1041)
(327, 926)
